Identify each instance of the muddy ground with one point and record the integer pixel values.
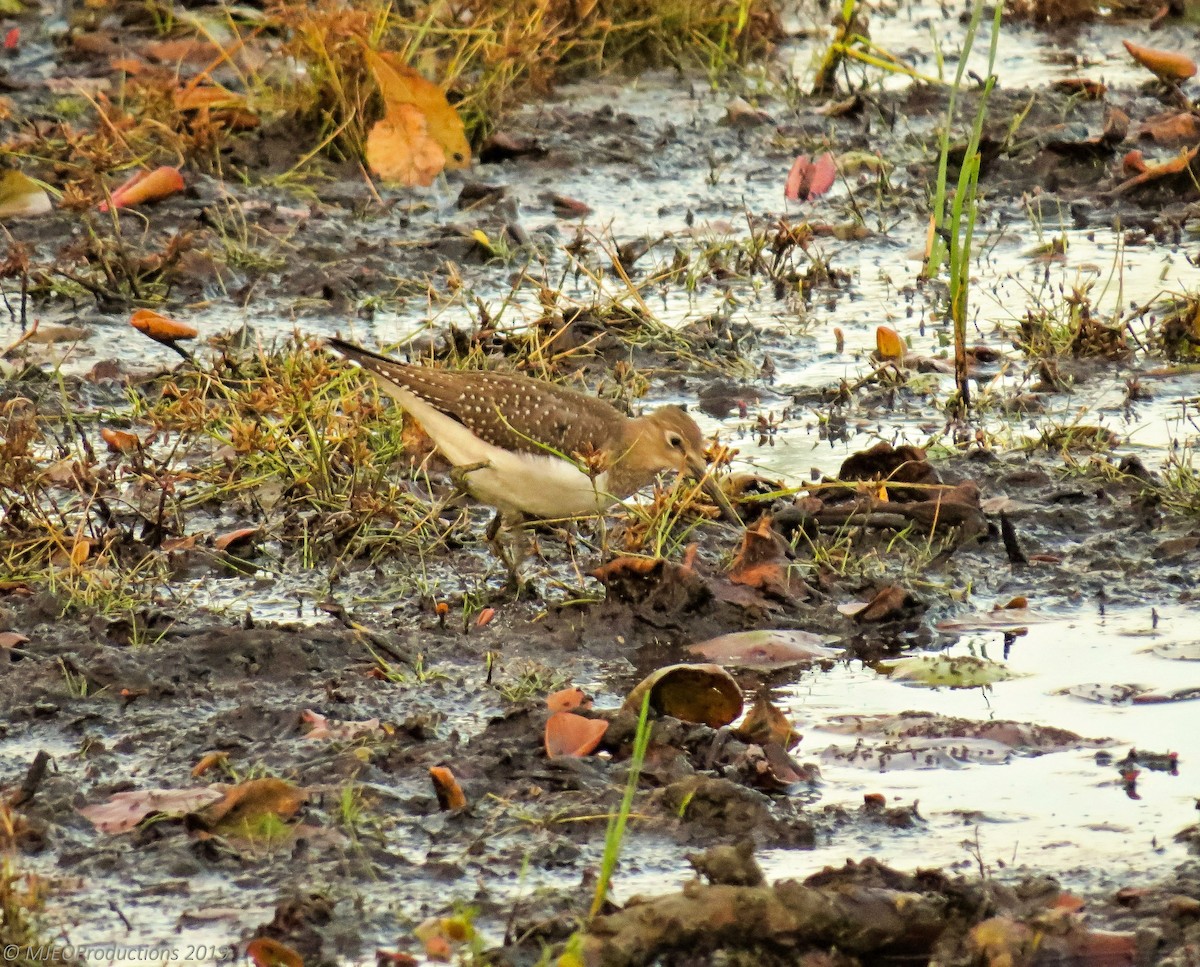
(130, 679)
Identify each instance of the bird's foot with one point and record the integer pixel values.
(458, 475)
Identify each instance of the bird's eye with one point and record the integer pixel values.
(675, 440)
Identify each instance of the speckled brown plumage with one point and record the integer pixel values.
(513, 412)
(507, 433)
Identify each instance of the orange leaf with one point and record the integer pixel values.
(449, 793)
(205, 96)
(567, 699)
(244, 806)
(400, 85)
(81, 551)
(161, 329)
(1166, 65)
(401, 149)
(119, 441)
(209, 761)
(888, 343)
(573, 735)
(265, 952)
(1176, 166)
(146, 186)
(231, 539)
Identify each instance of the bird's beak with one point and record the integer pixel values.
(698, 468)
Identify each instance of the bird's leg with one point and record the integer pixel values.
(505, 538)
(458, 475)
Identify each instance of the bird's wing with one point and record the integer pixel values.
(513, 412)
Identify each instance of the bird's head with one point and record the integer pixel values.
(669, 439)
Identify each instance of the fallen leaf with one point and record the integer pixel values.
(119, 441)
(764, 650)
(568, 699)
(449, 793)
(964, 671)
(761, 563)
(1166, 65)
(12, 639)
(1172, 128)
(146, 186)
(211, 760)
(161, 329)
(400, 85)
(810, 178)
(888, 344)
(245, 808)
(573, 735)
(21, 196)
(691, 693)
(265, 952)
(765, 723)
(235, 538)
(401, 149)
(125, 810)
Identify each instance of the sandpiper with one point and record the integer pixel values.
(535, 449)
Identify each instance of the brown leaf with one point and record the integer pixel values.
(1171, 128)
(125, 810)
(401, 149)
(1166, 65)
(568, 699)
(449, 793)
(146, 186)
(765, 723)
(231, 540)
(691, 693)
(573, 735)
(764, 650)
(246, 805)
(762, 564)
(888, 344)
(1176, 166)
(887, 605)
(119, 441)
(265, 952)
(161, 329)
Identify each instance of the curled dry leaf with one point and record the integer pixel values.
(568, 699)
(400, 85)
(233, 539)
(449, 793)
(161, 329)
(1166, 65)
(765, 723)
(212, 760)
(119, 441)
(244, 808)
(573, 735)
(691, 693)
(888, 344)
(12, 639)
(810, 178)
(265, 952)
(146, 186)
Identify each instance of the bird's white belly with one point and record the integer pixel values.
(541, 485)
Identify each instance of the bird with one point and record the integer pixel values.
(534, 449)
